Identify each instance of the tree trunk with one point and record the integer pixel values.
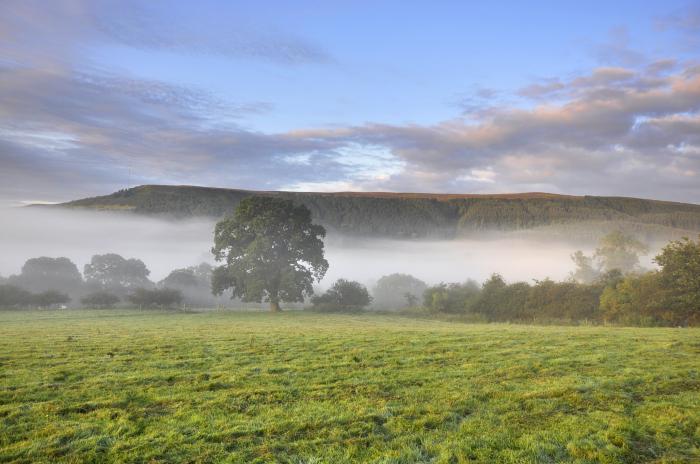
(275, 306)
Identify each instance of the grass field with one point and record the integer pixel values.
(126, 386)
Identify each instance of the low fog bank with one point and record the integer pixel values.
(164, 245)
(447, 261)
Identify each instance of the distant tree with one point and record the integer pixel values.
(271, 251)
(610, 278)
(344, 295)
(44, 273)
(194, 282)
(618, 250)
(586, 271)
(112, 272)
(12, 296)
(390, 291)
(49, 298)
(100, 299)
(411, 299)
(680, 276)
(155, 298)
(180, 278)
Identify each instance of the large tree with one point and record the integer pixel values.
(271, 251)
(194, 282)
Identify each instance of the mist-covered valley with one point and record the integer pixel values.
(165, 244)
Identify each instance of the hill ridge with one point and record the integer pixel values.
(416, 214)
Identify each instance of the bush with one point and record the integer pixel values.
(499, 301)
(156, 298)
(344, 295)
(12, 297)
(549, 300)
(451, 298)
(100, 300)
(636, 300)
(50, 298)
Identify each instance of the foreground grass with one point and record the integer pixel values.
(308, 388)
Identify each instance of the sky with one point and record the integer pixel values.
(597, 98)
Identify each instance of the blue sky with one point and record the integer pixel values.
(566, 97)
(396, 62)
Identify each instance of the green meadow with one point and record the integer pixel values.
(130, 386)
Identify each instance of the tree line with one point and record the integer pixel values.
(608, 287)
(270, 250)
(107, 281)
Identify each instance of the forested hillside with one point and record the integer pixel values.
(415, 215)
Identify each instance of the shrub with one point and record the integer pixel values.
(155, 298)
(100, 300)
(12, 296)
(50, 298)
(344, 295)
(451, 298)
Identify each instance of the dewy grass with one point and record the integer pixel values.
(127, 386)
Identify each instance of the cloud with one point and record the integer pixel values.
(70, 126)
(685, 20)
(627, 128)
(614, 130)
(617, 51)
(34, 31)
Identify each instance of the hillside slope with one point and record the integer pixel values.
(418, 215)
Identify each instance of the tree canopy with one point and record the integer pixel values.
(114, 273)
(680, 274)
(271, 251)
(45, 273)
(395, 291)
